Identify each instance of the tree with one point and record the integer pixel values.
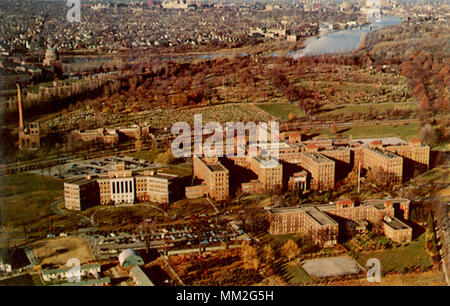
(290, 250)
(249, 256)
(352, 178)
(268, 252)
(428, 135)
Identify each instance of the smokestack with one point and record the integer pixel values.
(19, 106)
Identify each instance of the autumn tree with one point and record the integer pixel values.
(352, 178)
(428, 135)
(249, 256)
(290, 250)
(268, 253)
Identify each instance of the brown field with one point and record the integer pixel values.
(58, 250)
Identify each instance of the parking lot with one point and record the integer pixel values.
(98, 166)
(170, 237)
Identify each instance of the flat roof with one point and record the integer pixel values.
(216, 167)
(321, 217)
(386, 141)
(267, 163)
(396, 224)
(385, 154)
(379, 203)
(79, 181)
(317, 157)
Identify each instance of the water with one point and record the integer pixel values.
(342, 40)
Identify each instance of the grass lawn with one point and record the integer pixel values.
(295, 274)
(187, 207)
(27, 197)
(412, 256)
(406, 131)
(282, 110)
(347, 110)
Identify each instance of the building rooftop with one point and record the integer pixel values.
(396, 224)
(386, 141)
(217, 167)
(267, 162)
(319, 216)
(79, 181)
(380, 203)
(385, 154)
(318, 158)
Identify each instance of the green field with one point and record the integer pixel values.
(406, 131)
(27, 197)
(412, 256)
(282, 111)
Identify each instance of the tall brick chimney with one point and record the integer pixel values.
(19, 106)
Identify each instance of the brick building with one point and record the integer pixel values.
(308, 221)
(269, 172)
(214, 175)
(414, 151)
(396, 230)
(121, 186)
(321, 168)
(390, 163)
(80, 194)
(321, 223)
(156, 187)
